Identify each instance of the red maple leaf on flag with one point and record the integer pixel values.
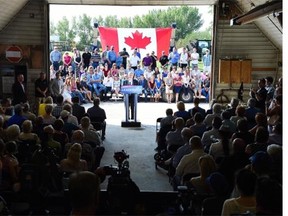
(137, 40)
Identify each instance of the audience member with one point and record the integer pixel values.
(56, 146)
(198, 128)
(168, 119)
(27, 113)
(59, 106)
(41, 107)
(84, 190)
(219, 187)
(251, 112)
(276, 136)
(91, 135)
(276, 154)
(212, 135)
(13, 133)
(260, 144)
(97, 114)
(27, 135)
(226, 121)
(207, 166)
(236, 161)
(77, 109)
(71, 118)
(240, 114)
(186, 134)
(260, 95)
(222, 148)
(246, 202)
(173, 138)
(73, 162)
(216, 111)
(10, 168)
(68, 127)
(269, 199)
(197, 108)
(182, 111)
(233, 105)
(243, 133)
(18, 117)
(48, 118)
(261, 164)
(189, 163)
(261, 121)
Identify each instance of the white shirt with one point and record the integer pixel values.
(108, 81)
(194, 57)
(189, 163)
(134, 60)
(184, 58)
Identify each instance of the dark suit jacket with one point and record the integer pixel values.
(131, 96)
(18, 94)
(78, 111)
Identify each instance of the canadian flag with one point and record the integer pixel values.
(145, 39)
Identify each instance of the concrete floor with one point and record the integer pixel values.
(139, 143)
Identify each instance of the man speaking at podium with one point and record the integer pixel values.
(131, 81)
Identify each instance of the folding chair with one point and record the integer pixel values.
(158, 121)
(98, 126)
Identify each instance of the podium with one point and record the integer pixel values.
(128, 91)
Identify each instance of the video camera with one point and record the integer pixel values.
(122, 170)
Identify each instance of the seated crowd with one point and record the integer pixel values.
(52, 145)
(225, 156)
(105, 78)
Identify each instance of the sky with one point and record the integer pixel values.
(57, 12)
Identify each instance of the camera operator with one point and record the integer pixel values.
(122, 191)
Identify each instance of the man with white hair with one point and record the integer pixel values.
(217, 110)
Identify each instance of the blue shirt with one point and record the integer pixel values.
(207, 60)
(138, 72)
(119, 61)
(96, 77)
(175, 58)
(55, 56)
(112, 56)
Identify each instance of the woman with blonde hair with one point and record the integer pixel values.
(48, 118)
(73, 162)
(207, 167)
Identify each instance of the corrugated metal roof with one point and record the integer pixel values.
(9, 9)
(269, 25)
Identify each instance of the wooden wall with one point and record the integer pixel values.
(243, 42)
(26, 30)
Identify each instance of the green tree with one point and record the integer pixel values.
(125, 22)
(111, 21)
(193, 36)
(53, 28)
(63, 29)
(187, 20)
(84, 31)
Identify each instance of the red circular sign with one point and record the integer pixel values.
(14, 54)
